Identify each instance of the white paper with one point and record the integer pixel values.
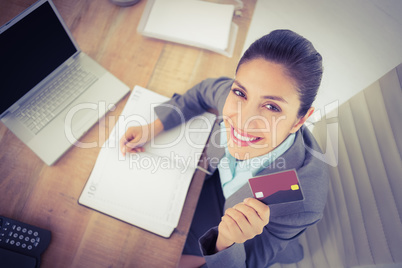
(194, 22)
(146, 189)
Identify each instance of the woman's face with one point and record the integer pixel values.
(261, 109)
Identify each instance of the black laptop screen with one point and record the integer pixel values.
(29, 51)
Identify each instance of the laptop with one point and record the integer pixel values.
(52, 92)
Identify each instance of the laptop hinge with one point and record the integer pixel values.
(72, 59)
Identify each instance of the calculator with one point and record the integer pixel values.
(21, 244)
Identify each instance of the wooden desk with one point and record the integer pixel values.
(47, 196)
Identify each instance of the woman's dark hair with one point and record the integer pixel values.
(301, 61)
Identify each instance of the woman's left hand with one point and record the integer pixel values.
(242, 222)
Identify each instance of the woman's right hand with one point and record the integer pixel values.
(135, 137)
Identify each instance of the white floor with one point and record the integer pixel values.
(360, 40)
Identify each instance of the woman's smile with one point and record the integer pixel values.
(242, 138)
(261, 110)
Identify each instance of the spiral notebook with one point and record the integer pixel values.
(147, 189)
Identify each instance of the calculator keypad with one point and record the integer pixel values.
(18, 236)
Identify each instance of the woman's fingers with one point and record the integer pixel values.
(245, 220)
(133, 139)
(262, 209)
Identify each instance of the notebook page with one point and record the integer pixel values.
(184, 143)
(145, 189)
(136, 190)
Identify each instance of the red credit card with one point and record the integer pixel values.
(277, 188)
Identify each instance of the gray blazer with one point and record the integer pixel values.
(278, 242)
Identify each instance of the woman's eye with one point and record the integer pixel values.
(238, 93)
(272, 107)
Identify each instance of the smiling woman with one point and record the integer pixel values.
(262, 112)
(263, 104)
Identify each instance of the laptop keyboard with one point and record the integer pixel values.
(37, 113)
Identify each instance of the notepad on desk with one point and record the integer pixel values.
(195, 23)
(147, 189)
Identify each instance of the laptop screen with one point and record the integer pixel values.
(29, 51)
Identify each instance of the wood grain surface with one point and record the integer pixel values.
(46, 196)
